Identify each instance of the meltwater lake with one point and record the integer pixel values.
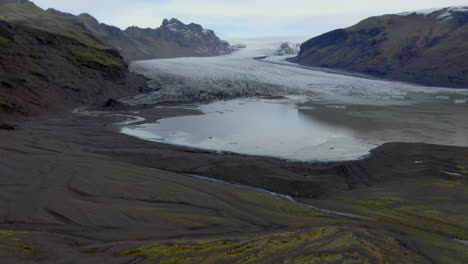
(317, 116)
(308, 129)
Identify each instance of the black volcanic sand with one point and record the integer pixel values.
(74, 190)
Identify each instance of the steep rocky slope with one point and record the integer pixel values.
(427, 47)
(47, 65)
(288, 48)
(172, 39)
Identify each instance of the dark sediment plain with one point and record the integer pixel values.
(74, 190)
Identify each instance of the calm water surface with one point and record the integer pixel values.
(309, 129)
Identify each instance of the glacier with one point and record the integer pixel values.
(256, 71)
(256, 103)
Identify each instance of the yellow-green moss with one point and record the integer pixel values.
(462, 169)
(331, 244)
(26, 248)
(280, 205)
(10, 233)
(419, 217)
(373, 204)
(97, 56)
(11, 243)
(4, 41)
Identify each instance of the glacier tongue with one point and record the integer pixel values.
(241, 75)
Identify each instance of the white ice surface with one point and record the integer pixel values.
(282, 129)
(240, 75)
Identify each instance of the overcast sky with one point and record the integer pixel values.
(244, 18)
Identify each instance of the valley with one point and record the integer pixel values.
(167, 144)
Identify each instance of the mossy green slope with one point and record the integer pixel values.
(27, 14)
(329, 244)
(14, 245)
(422, 194)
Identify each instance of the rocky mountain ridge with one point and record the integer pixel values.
(172, 39)
(426, 47)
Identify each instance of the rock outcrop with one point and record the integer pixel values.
(288, 48)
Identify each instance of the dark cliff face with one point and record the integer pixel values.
(203, 41)
(172, 39)
(429, 49)
(288, 48)
(45, 71)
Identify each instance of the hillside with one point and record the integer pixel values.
(172, 39)
(427, 47)
(47, 66)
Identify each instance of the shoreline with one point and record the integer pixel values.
(369, 126)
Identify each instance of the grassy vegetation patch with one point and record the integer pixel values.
(331, 244)
(421, 217)
(97, 56)
(5, 41)
(280, 205)
(12, 244)
(11, 233)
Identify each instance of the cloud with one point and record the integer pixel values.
(244, 17)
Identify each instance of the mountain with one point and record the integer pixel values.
(288, 48)
(48, 65)
(426, 47)
(172, 39)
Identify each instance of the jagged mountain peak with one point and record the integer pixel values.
(176, 25)
(58, 13)
(175, 21)
(172, 22)
(88, 18)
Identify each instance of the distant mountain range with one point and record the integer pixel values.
(427, 47)
(172, 39)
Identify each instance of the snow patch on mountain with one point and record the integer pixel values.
(448, 14)
(444, 14)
